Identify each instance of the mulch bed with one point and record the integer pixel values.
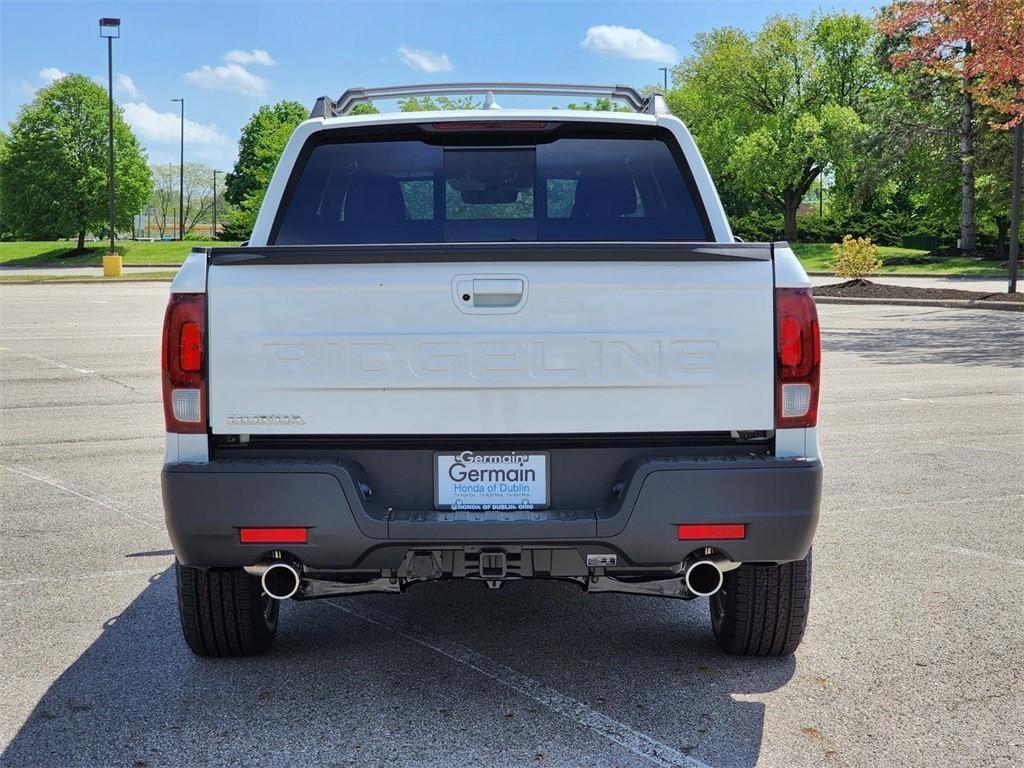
(865, 289)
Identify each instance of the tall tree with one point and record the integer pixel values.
(262, 141)
(53, 177)
(771, 111)
(979, 46)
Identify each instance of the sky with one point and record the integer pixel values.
(228, 57)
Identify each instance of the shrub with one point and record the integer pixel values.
(854, 257)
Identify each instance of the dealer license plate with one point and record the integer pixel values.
(491, 480)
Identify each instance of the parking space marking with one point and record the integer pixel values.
(89, 336)
(86, 496)
(48, 361)
(929, 503)
(617, 732)
(979, 553)
(77, 577)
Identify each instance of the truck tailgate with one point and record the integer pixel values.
(324, 346)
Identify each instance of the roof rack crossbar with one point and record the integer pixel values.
(327, 107)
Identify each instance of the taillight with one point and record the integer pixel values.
(184, 363)
(798, 358)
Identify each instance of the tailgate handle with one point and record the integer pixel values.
(492, 293)
(497, 292)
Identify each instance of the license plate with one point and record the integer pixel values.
(482, 480)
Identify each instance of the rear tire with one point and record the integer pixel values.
(225, 612)
(762, 610)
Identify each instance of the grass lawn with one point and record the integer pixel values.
(55, 253)
(815, 258)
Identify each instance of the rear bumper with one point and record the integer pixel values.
(206, 504)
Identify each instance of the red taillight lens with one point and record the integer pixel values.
(272, 535)
(182, 361)
(490, 125)
(799, 358)
(191, 355)
(705, 531)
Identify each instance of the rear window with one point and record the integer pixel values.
(546, 187)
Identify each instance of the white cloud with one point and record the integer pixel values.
(627, 43)
(255, 56)
(425, 61)
(229, 77)
(49, 74)
(123, 84)
(165, 127)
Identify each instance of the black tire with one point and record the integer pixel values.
(762, 610)
(224, 612)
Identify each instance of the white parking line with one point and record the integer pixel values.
(89, 336)
(625, 736)
(86, 496)
(979, 553)
(928, 503)
(77, 577)
(48, 361)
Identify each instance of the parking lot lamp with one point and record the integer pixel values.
(214, 230)
(181, 175)
(110, 28)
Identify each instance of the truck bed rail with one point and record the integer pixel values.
(488, 252)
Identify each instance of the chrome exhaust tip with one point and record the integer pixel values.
(703, 578)
(280, 580)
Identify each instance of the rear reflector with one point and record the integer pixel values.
(704, 531)
(273, 535)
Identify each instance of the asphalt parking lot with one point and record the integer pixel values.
(913, 657)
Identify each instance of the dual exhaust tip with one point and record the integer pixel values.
(281, 580)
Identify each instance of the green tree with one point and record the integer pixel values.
(440, 104)
(53, 178)
(600, 105)
(260, 147)
(770, 111)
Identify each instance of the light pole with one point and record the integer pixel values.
(181, 175)
(213, 233)
(664, 71)
(110, 28)
(1018, 150)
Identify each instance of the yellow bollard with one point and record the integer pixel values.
(111, 264)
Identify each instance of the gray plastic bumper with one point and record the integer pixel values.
(206, 504)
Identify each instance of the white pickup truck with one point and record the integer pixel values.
(492, 345)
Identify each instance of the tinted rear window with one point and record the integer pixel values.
(564, 188)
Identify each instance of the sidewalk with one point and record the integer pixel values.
(77, 271)
(980, 284)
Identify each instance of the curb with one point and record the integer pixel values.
(82, 280)
(1008, 306)
(939, 275)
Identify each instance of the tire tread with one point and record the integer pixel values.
(765, 609)
(221, 612)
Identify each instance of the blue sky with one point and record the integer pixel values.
(228, 58)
